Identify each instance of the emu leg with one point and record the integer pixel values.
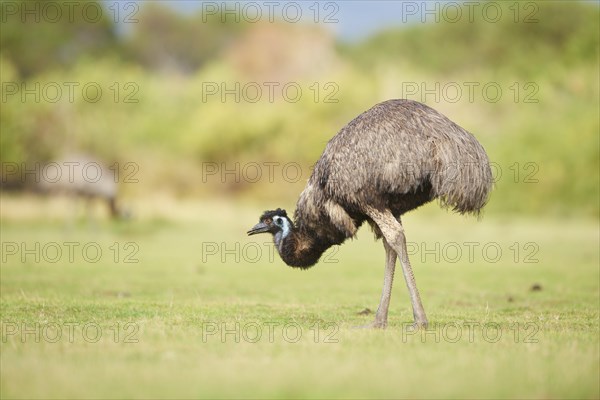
(393, 232)
(409, 277)
(386, 294)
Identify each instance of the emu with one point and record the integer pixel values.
(391, 159)
(80, 175)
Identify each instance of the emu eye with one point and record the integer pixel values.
(268, 221)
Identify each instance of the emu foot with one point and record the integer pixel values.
(420, 324)
(420, 320)
(373, 325)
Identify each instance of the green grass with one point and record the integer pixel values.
(154, 314)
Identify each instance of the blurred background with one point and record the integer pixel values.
(184, 120)
(170, 96)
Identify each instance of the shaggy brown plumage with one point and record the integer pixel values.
(391, 159)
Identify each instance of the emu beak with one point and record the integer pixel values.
(261, 227)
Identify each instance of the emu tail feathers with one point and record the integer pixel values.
(462, 178)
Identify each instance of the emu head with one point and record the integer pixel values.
(275, 222)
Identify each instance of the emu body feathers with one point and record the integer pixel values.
(398, 155)
(391, 159)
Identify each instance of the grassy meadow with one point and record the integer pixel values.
(194, 308)
(177, 302)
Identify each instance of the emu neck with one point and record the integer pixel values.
(300, 248)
